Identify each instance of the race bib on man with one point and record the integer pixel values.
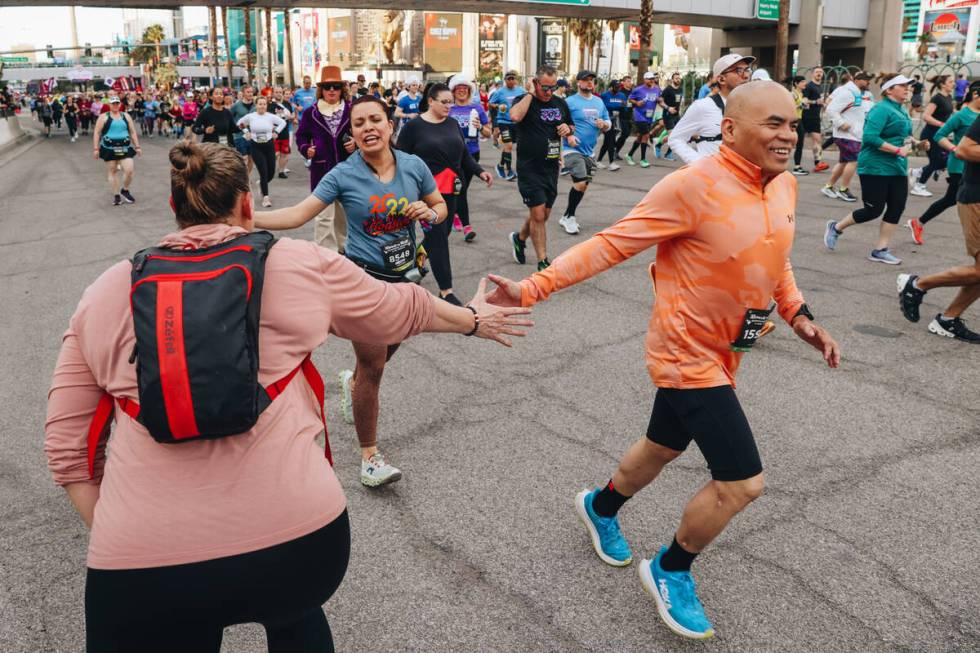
(554, 148)
(751, 329)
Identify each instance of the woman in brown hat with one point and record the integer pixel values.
(323, 137)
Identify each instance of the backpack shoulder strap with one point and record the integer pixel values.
(105, 125)
(719, 102)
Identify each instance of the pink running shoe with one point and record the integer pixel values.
(457, 223)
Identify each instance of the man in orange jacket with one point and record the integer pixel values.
(723, 227)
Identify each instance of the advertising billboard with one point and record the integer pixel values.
(551, 40)
(493, 36)
(339, 41)
(444, 41)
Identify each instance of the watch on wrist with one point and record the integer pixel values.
(805, 312)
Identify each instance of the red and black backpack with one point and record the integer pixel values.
(196, 318)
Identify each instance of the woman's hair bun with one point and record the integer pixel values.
(188, 158)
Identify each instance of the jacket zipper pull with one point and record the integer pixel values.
(139, 265)
(132, 357)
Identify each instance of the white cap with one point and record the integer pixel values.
(761, 73)
(413, 80)
(895, 81)
(728, 61)
(461, 80)
(649, 75)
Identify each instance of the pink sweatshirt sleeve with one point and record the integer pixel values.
(363, 309)
(72, 400)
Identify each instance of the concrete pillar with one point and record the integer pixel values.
(970, 53)
(471, 43)
(810, 34)
(883, 39)
(717, 41)
(512, 51)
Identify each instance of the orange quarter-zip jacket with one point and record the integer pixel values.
(723, 243)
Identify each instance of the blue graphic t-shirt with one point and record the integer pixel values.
(376, 210)
(461, 114)
(585, 111)
(614, 101)
(408, 104)
(304, 99)
(649, 96)
(505, 96)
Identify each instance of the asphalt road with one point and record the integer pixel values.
(865, 539)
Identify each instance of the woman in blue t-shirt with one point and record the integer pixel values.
(473, 124)
(384, 192)
(616, 104)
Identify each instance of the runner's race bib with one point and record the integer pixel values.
(398, 254)
(648, 113)
(261, 138)
(119, 148)
(554, 148)
(755, 319)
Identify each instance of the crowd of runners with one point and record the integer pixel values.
(389, 172)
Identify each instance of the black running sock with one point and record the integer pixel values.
(505, 160)
(643, 151)
(636, 144)
(574, 197)
(676, 558)
(607, 502)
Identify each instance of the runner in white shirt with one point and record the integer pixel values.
(261, 128)
(702, 120)
(847, 108)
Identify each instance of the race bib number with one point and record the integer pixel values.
(554, 148)
(261, 138)
(748, 333)
(648, 113)
(398, 254)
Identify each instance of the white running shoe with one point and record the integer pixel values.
(600, 165)
(829, 191)
(266, 202)
(914, 174)
(346, 402)
(920, 190)
(613, 167)
(570, 224)
(376, 471)
(286, 170)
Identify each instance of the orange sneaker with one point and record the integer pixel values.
(916, 228)
(820, 167)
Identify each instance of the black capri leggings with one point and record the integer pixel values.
(946, 201)
(437, 246)
(186, 607)
(879, 192)
(462, 200)
(800, 140)
(937, 156)
(264, 156)
(608, 145)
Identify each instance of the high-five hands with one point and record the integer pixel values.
(818, 338)
(507, 292)
(497, 321)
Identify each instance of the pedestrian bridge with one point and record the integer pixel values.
(722, 14)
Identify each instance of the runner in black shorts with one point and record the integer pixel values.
(542, 121)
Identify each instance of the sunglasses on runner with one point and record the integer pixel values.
(332, 87)
(547, 88)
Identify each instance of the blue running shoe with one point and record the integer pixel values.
(607, 539)
(511, 176)
(830, 235)
(656, 151)
(501, 171)
(884, 256)
(677, 600)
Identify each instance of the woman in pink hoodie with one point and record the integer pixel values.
(189, 538)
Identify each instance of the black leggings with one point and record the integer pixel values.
(800, 141)
(436, 244)
(879, 192)
(264, 156)
(946, 201)
(608, 145)
(462, 201)
(72, 122)
(186, 607)
(937, 156)
(626, 125)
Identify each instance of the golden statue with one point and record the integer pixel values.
(393, 23)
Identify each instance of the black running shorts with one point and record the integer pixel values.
(537, 186)
(642, 128)
(713, 418)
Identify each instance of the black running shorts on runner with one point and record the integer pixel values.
(642, 127)
(811, 125)
(713, 418)
(539, 186)
(508, 134)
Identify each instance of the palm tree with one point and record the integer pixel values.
(155, 34)
(613, 26)
(268, 46)
(289, 49)
(645, 29)
(782, 42)
(229, 59)
(925, 39)
(588, 31)
(213, 41)
(248, 45)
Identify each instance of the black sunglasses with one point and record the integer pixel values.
(332, 87)
(546, 87)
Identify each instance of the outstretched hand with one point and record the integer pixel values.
(507, 292)
(818, 338)
(497, 321)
